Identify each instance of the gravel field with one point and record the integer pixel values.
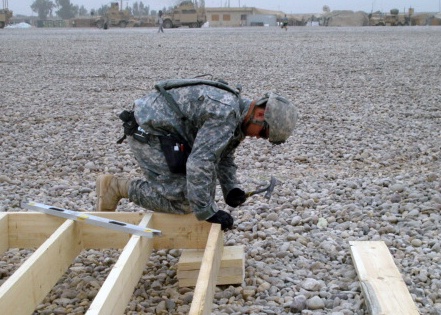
(363, 163)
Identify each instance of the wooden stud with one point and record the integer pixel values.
(4, 233)
(31, 229)
(33, 280)
(180, 231)
(381, 282)
(204, 291)
(232, 266)
(117, 290)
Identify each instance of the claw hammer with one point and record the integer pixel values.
(269, 189)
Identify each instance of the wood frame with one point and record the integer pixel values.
(59, 241)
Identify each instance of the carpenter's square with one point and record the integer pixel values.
(92, 219)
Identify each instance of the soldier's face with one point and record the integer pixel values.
(259, 129)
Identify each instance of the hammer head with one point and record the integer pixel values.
(270, 189)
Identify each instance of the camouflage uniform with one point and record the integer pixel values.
(212, 127)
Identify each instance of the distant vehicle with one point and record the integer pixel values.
(5, 15)
(115, 17)
(392, 19)
(184, 14)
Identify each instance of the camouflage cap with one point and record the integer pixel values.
(281, 116)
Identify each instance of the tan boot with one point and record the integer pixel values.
(109, 191)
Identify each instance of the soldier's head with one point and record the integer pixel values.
(272, 117)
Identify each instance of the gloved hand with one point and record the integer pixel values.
(235, 197)
(223, 218)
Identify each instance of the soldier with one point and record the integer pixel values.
(183, 137)
(160, 22)
(285, 23)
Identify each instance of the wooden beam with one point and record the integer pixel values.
(381, 282)
(100, 238)
(31, 282)
(31, 229)
(117, 290)
(4, 233)
(206, 284)
(180, 231)
(232, 266)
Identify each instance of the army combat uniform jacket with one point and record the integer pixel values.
(210, 123)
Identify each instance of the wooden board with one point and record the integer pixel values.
(180, 231)
(232, 266)
(232, 256)
(117, 290)
(31, 229)
(204, 291)
(4, 233)
(382, 284)
(26, 287)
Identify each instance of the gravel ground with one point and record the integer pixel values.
(363, 163)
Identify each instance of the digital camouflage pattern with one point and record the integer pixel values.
(211, 126)
(281, 115)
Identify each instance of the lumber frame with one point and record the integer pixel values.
(59, 241)
(382, 284)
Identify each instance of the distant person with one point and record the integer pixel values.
(285, 23)
(160, 22)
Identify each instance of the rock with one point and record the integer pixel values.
(315, 303)
(370, 170)
(298, 304)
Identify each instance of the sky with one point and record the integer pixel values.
(287, 6)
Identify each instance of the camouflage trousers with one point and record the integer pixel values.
(161, 191)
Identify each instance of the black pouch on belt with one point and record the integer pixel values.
(176, 153)
(131, 128)
(130, 125)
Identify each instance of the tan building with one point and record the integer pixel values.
(245, 16)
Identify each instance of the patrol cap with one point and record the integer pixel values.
(280, 115)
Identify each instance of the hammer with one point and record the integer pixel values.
(269, 189)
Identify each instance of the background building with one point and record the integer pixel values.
(245, 16)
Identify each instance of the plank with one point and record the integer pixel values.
(232, 266)
(30, 283)
(382, 284)
(206, 284)
(87, 218)
(4, 233)
(180, 231)
(232, 256)
(117, 290)
(31, 229)
(225, 276)
(100, 238)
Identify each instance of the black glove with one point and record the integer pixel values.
(235, 197)
(223, 218)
